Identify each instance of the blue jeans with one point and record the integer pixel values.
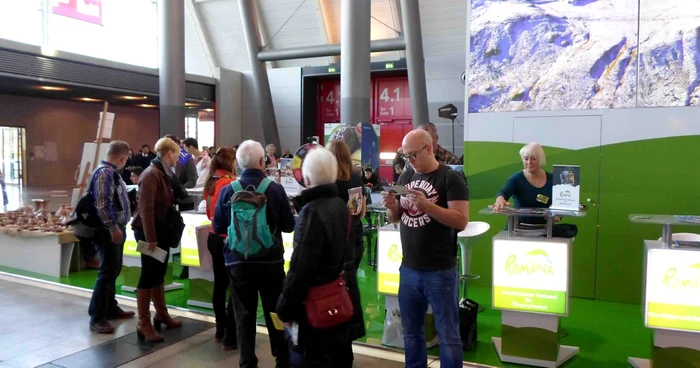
(5, 200)
(103, 303)
(440, 289)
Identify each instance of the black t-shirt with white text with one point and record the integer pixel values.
(427, 244)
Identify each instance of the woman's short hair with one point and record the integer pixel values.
(249, 154)
(320, 167)
(534, 149)
(165, 145)
(341, 151)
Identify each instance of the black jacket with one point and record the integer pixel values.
(320, 245)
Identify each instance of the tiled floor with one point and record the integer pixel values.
(40, 327)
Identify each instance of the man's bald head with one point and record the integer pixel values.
(416, 138)
(418, 149)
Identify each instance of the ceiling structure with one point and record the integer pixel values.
(214, 34)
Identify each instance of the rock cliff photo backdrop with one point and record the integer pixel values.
(583, 54)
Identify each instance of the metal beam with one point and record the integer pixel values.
(202, 35)
(390, 44)
(395, 8)
(415, 60)
(323, 25)
(264, 39)
(251, 33)
(171, 66)
(355, 61)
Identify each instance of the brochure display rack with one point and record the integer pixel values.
(531, 277)
(671, 302)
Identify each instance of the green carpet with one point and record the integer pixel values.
(607, 333)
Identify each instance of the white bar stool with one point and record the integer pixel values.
(473, 230)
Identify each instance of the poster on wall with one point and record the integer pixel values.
(351, 135)
(531, 276)
(672, 283)
(370, 145)
(566, 189)
(561, 55)
(86, 10)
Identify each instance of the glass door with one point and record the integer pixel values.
(12, 149)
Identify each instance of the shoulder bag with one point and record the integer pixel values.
(329, 305)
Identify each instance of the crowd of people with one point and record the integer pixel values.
(326, 219)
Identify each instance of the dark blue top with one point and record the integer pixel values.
(279, 216)
(525, 195)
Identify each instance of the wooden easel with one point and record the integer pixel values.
(90, 165)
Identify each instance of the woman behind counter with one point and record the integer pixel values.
(158, 190)
(531, 187)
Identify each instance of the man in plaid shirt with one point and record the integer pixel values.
(113, 209)
(442, 155)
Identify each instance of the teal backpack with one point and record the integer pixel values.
(249, 235)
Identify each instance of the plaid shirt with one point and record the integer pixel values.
(446, 157)
(103, 189)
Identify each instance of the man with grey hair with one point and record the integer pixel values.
(321, 252)
(252, 275)
(442, 155)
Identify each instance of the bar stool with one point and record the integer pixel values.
(473, 230)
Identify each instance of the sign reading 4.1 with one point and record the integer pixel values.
(531, 275)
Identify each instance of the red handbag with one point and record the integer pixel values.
(330, 305)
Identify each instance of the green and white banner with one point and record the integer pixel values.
(672, 290)
(531, 275)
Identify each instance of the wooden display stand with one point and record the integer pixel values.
(86, 167)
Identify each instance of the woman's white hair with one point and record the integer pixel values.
(249, 154)
(320, 167)
(534, 149)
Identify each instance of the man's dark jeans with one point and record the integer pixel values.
(247, 280)
(103, 304)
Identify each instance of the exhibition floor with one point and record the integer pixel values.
(607, 333)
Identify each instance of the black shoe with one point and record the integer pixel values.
(229, 344)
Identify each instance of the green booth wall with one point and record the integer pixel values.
(659, 175)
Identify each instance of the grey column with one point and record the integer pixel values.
(410, 13)
(171, 66)
(354, 61)
(251, 33)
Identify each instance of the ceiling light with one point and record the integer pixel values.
(133, 97)
(190, 104)
(387, 155)
(146, 105)
(88, 99)
(208, 109)
(52, 88)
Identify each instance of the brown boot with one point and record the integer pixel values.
(144, 329)
(162, 316)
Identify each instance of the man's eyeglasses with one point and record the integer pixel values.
(412, 156)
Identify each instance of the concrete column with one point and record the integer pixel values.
(410, 13)
(354, 61)
(171, 66)
(251, 33)
(228, 108)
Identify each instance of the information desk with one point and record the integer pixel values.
(531, 278)
(671, 298)
(44, 253)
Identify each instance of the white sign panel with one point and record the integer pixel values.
(531, 276)
(673, 289)
(389, 256)
(566, 189)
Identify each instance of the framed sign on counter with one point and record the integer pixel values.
(188, 244)
(531, 276)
